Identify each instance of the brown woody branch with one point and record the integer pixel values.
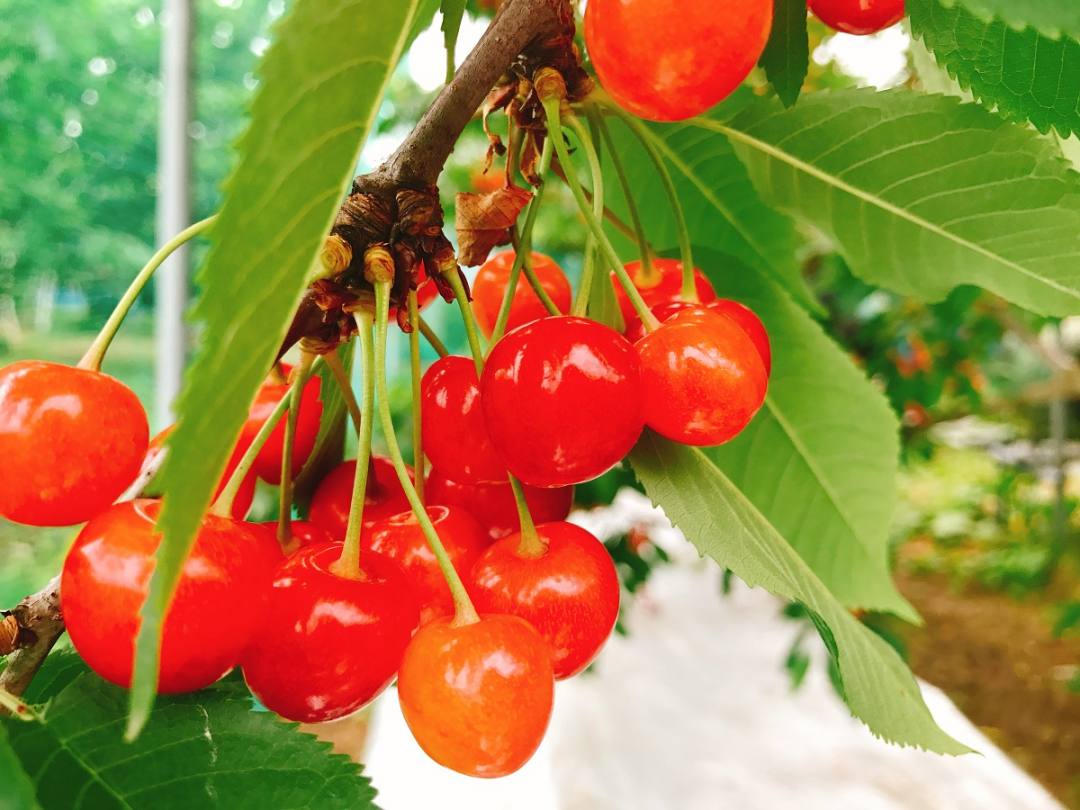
(35, 624)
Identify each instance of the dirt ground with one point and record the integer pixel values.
(997, 659)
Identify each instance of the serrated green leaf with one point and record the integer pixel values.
(452, 13)
(719, 520)
(921, 193)
(787, 53)
(203, 750)
(16, 789)
(819, 460)
(723, 210)
(321, 83)
(1054, 18)
(1022, 74)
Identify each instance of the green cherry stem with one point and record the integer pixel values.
(301, 373)
(15, 707)
(464, 612)
(453, 277)
(341, 377)
(432, 338)
(417, 372)
(581, 302)
(523, 247)
(551, 108)
(347, 565)
(689, 289)
(96, 353)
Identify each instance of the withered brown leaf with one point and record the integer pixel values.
(485, 220)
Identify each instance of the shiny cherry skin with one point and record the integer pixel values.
(245, 495)
(667, 62)
(71, 441)
(740, 313)
(218, 603)
(563, 400)
(477, 697)
(304, 534)
(454, 429)
(327, 645)
(490, 286)
(268, 463)
(858, 16)
(663, 286)
(703, 377)
(570, 593)
(493, 505)
(333, 497)
(399, 538)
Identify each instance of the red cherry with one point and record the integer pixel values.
(245, 495)
(218, 602)
(740, 313)
(268, 463)
(454, 432)
(562, 397)
(333, 497)
(71, 441)
(400, 539)
(858, 16)
(477, 697)
(702, 376)
(490, 286)
(328, 645)
(493, 504)
(669, 61)
(305, 534)
(570, 593)
(664, 286)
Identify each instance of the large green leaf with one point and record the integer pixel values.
(722, 523)
(919, 192)
(16, 789)
(1051, 17)
(204, 750)
(787, 53)
(819, 460)
(321, 83)
(1025, 75)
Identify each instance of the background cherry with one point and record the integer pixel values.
(328, 645)
(71, 441)
(477, 697)
(570, 593)
(454, 429)
(666, 286)
(702, 376)
(493, 504)
(245, 495)
(333, 497)
(668, 61)
(562, 397)
(858, 16)
(268, 463)
(400, 539)
(490, 286)
(219, 600)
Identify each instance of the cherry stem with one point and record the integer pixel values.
(529, 271)
(524, 246)
(432, 338)
(644, 248)
(15, 707)
(530, 545)
(223, 504)
(581, 302)
(551, 108)
(414, 363)
(347, 565)
(341, 377)
(300, 374)
(464, 612)
(475, 346)
(646, 138)
(96, 353)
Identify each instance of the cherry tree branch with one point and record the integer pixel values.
(35, 624)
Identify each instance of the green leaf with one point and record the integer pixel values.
(16, 789)
(921, 193)
(723, 524)
(1023, 74)
(603, 307)
(203, 750)
(723, 210)
(819, 460)
(321, 85)
(1053, 18)
(452, 13)
(787, 53)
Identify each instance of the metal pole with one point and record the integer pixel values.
(173, 201)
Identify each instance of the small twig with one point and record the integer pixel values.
(40, 624)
